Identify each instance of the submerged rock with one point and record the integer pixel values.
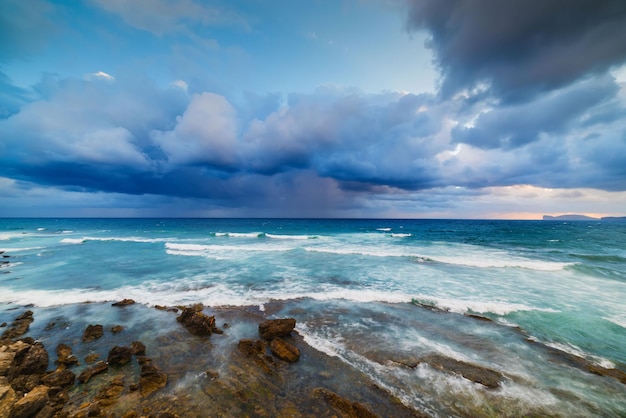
(119, 356)
(18, 328)
(124, 302)
(486, 377)
(349, 408)
(276, 328)
(151, 378)
(93, 332)
(138, 348)
(97, 368)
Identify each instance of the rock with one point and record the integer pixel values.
(197, 322)
(2, 325)
(7, 398)
(351, 409)
(65, 356)
(87, 374)
(251, 347)
(91, 358)
(119, 356)
(276, 328)
(31, 361)
(124, 302)
(93, 332)
(108, 395)
(19, 327)
(484, 376)
(61, 378)
(138, 348)
(151, 378)
(117, 329)
(31, 403)
(284, 350)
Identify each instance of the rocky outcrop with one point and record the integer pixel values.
(138, 348)
(124, 302)
(65, 357)
(18, 328)
(276, 328)
(93, 332)
(31, 403)
(119, 356)
(479, 374)
(197, 322)
(348, 408)
(60, 378)
(87, 374)
(151, 378)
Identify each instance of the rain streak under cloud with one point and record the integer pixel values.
(429, 108)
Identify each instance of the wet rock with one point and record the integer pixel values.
(31, 403)
(284, 350)
(32, 360)
(50, 326)
(276, 328)
(65, 358)
(97, 368)
(93, 332)
(61, 378)
(350, 409)
(119, 356)
(91, 358)
(197, 322)
(255, 350)
(151, 378)
(18, 328)
(2, 325)
(166, 308)
(117, 329)
(138, 348)
(124, 302)
(484, 376)
(109, 394)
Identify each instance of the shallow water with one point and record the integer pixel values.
(358, 289)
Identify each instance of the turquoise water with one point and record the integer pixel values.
(358, 289)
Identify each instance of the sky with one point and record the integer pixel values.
(313, 108)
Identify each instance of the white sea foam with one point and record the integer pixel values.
(465, 306)
(399, 235)
(617, 320)
(294, 237)
(5, 236)
(383, 229)
(73, 240)
(41, 229)
(14, 250)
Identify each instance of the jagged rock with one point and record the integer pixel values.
(87, 374)
(284, 350)
(276, 328)
(65, 357)
(61, 378)
(30, 361)
(124, 302)
(93, 332)
(138, 348)
(109, 394)
(7, 397)
(115, 329)
(31, 403)
(197, 322)
(151, 378)
(484, 376)
(19, 327)
(119, 356)
(351, 409)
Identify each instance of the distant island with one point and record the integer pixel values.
(574, 217)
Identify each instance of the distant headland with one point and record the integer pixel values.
(574, 217)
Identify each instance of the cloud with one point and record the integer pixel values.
(100, 75)
(162, 17)
(520, 48)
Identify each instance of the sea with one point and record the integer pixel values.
(541, 302)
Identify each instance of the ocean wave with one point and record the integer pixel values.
(577, 352)
(400, 235)
(17, 249)
(105, 239)
(5, 236)
(72, 240)
(472, 306)
(383, 229)
(294, 237)
(174, 248)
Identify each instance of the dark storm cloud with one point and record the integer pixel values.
(519, 47)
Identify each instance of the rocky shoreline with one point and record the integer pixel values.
(269, 374)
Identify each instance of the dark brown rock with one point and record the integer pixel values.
(197, 322)
(138, 348)
(151, 378)
(124, 302)
(350, 409)
(117, 329)
(87, 374)
(284, 350)
(19, 326)
(119, 356)
(276, 328)
(251, 347)
(93, 332)
(91, 358)
(484, 376)
(31, 403)
(61, 378)
(31, 361)
(109, 394)
(65, 357)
